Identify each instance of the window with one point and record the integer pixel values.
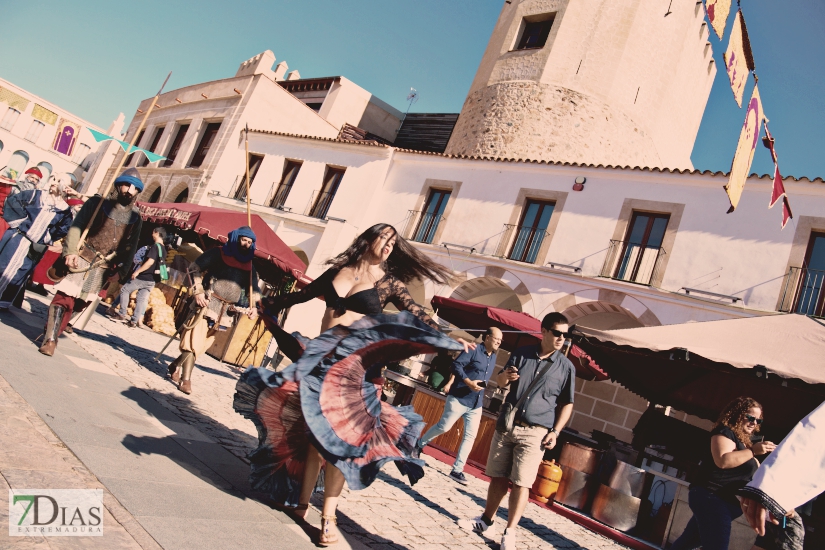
(255, 162)
(1, 146)
(16, 166)
(9, 119)
(332, 180)
(534, 32)
(45, 169)
(642, 247)
(530, 232)
(34, 131)
(152, 147)
(810, 299)
(137, 144)
(209, 135)
(82, 156)
(75, 184)
(431, 216)
(291, 168)
(176, 143)
(155, 197)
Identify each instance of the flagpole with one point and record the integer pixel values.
(248, 209)
(121, 163)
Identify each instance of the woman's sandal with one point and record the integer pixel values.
(329, 533)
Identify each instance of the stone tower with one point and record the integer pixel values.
(613, 82)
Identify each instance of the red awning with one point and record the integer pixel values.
(216, 223)
(468, 315)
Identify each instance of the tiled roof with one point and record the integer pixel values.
(531, 161)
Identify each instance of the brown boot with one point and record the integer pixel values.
(173, 371)
(187, 366)
(53, 322)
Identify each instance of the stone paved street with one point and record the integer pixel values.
(389, 514)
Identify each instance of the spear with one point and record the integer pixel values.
(248, 206)
(121, 163)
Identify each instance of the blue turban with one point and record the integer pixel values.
(233, 248)
(130, 176)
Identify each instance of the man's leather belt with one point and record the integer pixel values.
(524, 424)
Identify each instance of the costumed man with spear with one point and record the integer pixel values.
(36, 219)
(223, 279)
(104, 234)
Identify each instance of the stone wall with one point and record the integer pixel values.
(537, 121)
(610, 408)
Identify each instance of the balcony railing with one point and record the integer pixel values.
(421, 226)
(280, 196)
(320, 207)
(632, 262)
(804, 292)
(520, 243)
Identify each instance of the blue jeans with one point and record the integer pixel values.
(453, 410)
(143, 288)
(711, 522)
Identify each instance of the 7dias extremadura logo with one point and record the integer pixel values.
(56, 512)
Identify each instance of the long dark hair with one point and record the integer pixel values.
(405, 263)
(734, 417)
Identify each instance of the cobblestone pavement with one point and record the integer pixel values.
(388, 514)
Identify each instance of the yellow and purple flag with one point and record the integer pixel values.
(738, 58)
(718, 11)
(743, 158)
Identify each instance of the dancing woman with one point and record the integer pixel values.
(327, 406)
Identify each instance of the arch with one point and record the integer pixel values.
(152, 192)
(16, 166)
(489, 291)
(300, 253)
(173, 190)
(183, 196)
(74, 180)
(1, 146)
(46, 170)
(508, 278)
(155, 196)
(604, 309)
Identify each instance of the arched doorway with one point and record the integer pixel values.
(17, 164)
(45, 169)
(155, 196)
(490, 291)
(183, 196)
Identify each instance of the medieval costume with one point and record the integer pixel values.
(36, 219)
(330, 397)
(225, 276)
(31, 181)
(111, 241)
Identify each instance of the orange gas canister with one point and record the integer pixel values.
(547, 482)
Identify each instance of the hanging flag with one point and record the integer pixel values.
(100, 136)
(744, 150)
(66, 137)
(738, 58)
(718, 11)
(778, 186)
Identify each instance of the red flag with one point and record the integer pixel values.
(778, 186)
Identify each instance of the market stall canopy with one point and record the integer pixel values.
(469, 315)
(699, 367)
(216, 223)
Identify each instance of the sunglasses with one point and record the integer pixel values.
(753, 420)
(559, 334)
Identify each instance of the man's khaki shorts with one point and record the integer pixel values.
(517, 455)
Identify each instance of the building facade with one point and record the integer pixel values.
(629, 248)
(38, 133)
(198, 128)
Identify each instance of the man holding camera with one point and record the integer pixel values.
(542, 382)
(471, 371)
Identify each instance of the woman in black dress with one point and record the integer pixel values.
(729, 465)
(326, 406)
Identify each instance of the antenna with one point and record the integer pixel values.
(412, 98)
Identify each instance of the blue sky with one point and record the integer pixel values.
(97, 58)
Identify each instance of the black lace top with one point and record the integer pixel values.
(369, 301)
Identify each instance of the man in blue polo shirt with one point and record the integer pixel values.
(472, 370)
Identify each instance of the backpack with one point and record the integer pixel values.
(139, 256)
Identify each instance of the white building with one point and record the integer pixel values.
(198, 128)
(37, 133)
